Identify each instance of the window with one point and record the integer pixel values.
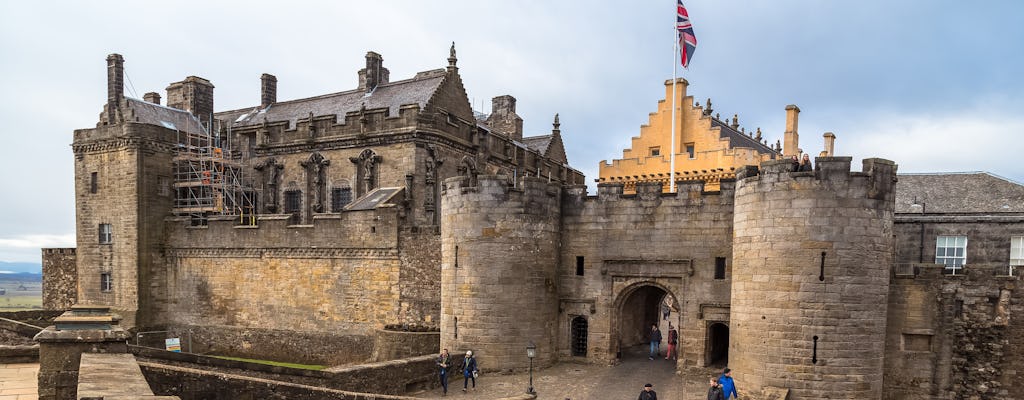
(164, 184)
(94, 182)
(1017, 251)
(951, 251)
(106, 282)
(292, 201)
(690, 150)
(719, 267)
(579, 265)
(655, 151)
(106, 234)
(340, 197)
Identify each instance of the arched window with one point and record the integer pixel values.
(579, 336)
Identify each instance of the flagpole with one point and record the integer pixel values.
(672, 151)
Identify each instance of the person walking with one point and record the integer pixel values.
(444, 361)
(469, 370)
(728, 385)
(648, 393)
(715, 391)
(673, 339)
(655, 341)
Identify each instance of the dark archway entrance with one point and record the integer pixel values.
(637, 308)
(579, 337)
(717, 348)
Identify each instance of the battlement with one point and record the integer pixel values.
(528, 186)
(64, 250)
(690, 190)
(367, 229)
(879, 172)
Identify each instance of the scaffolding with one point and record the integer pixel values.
(209, 178)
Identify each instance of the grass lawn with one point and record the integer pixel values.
(277, 363)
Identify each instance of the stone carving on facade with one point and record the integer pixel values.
(312, 126)
(366, 171)
(315, 171)
(271, 170)
(430, 188)
(468, 169)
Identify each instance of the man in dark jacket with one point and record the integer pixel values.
(648, 393)
(715, 391)
(655, 341)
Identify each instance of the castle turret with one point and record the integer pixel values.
(812, 253)
(499, 262)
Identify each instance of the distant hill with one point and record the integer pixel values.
(20, 277)
(14, 267)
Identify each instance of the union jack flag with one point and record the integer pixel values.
(684, 31)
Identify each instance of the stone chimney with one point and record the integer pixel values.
(374, 74)
(152, 97)
(791, 139)
(268, 90)
(830, 144)
(115, 90)
(194, 94)
(503, 119)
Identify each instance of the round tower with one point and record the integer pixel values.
(499, 254)
(810, 281)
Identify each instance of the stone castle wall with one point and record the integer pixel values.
(628, 242)
(60, 279)
(954, 336)
(498, 271)
(812, 253)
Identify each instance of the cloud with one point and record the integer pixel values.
(972, 140)
(26, 248)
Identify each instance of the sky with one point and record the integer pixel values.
(934, 85)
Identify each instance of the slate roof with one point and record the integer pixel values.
(958, 192)
(393, 95)
(538, 143)
(171, 118)
(739, 139)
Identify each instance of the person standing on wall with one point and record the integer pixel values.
(728, 386)
(444, 361)
(805, 163)
(648, 393)
(655, 341)
(673, 339)
(469, 370)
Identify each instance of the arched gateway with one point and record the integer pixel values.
(636, 307)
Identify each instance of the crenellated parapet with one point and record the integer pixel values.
(368, 229)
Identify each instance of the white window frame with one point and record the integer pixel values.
(1016, 252)
(946, 251)
(106, 232)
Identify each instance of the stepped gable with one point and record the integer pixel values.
(737, 138)
(392, 96)
(155, 114)
(958, 192)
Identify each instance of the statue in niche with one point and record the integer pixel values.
(366, 171)
(271, 170)
(315, 170)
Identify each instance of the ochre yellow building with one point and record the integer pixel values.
(707, 148)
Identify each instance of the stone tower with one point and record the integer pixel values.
(812, 253)
(499, 247)
(123, 191)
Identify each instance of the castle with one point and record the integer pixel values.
(314, 223)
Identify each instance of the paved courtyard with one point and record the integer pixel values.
(594, 382)
(18, 381)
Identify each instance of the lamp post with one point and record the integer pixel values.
(531, 352)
